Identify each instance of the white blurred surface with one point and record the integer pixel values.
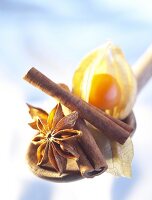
(54, 36)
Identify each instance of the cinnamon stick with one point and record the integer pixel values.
(119, 122)
(92, 162)
(85, 110)
(84, 165)
(90, 148)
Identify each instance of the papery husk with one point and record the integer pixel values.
(109, 59)
(118, 157)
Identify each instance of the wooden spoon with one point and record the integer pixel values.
(72, 172)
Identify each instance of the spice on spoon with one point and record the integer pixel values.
(112, 129)
(85, 165)
(91, 161)
(55, 137)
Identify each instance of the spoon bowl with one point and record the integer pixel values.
(72, 172)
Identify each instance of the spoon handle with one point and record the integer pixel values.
(143, 68)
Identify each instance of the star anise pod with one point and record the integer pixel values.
(55, 136)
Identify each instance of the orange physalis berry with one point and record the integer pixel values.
(104, 92)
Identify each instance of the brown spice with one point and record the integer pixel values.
(84, 164)
(85, 110)
(91, 161)
(55, 137)
(119, 122)
(91, 151)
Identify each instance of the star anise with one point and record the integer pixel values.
(55, 136)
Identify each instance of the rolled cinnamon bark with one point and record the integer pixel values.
(85, 110)
(119, 122)
(92, 162)
(91, 149)
(84, 165)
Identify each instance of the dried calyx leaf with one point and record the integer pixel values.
(104, 67)
(108, 65)
(120, 164)
(55, 136)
